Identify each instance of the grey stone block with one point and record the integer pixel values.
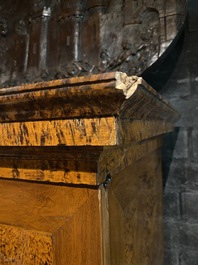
(177, 88)
(189, 236)
(188, 257)
(191, 177)
(195, 143)
(189, 204)
(171, 257)
(180, 166)
(181, 146)
(176, 174)
(176, 144)
(192, 17)
(172, 234)
(171, 205)
(188, 109)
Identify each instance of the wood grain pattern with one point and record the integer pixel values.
(68, 98)
(97, 78)
(105, 228)
(74, 166)
(39, 207)
(142, 101)
(46, 224)
(49, 171)
(77, 132)
(114, 160)
(130, 205)
(101, 95)
(96, 132)
(135, 207)
(129, 131)
(59, 142)
(79, 241)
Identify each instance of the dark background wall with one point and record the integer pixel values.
(180, 165)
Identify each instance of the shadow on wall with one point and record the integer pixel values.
(167, 153)
(158, 74)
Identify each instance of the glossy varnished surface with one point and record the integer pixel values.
(45, 224)
(72, 165)
(73, 132)
(80, 171)
(131, 112)
(115, 223)
(99, 95)
(135, 213)
(79, 164)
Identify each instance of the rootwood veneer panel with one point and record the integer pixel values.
(20, 246)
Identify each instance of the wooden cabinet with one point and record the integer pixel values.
(80, 172)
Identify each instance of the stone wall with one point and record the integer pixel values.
(181, 163)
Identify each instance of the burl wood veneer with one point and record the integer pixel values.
(80, 172)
